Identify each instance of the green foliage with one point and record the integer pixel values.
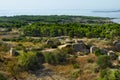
(104, 61)
(28, 61)
(117, 75)
(2, 77)
(104, 73)
(76, 66)
(98, 52)
(76, 73)
(55, 57)
(4, 47)
(72, 30)
(108, 74)
(73, 26)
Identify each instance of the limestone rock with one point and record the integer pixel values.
(64, 46)
(67, 40)
(118, 58)
(115, 42)
(49, 42)
(103, 51)
(79, 47)
(93, 49)
(79, 41)
(13, 52)
(117, 46)
(111, 53)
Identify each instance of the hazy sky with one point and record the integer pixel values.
(59, 4)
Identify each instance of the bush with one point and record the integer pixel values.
(4, 47)
(55, 57)
(98, 52)
(2, 77)
(104, 73)
(104, 61)
(117, 74)
(90, 60)
(108, 74)
(28, 61)
(77, 73)
(76, 66)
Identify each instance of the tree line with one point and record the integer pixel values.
(39, 29)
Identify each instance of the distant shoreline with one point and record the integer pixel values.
(106, 11)
(77, 12)
(116, 20)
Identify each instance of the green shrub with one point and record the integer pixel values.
(98, 52)
(76, 73)
(104, 73)
(2, 77)
(76, 66)
(117, 75)
(90, 60)
(108, 74)
(28, 61)
(55, 57)
(104, 61)
(4, 47)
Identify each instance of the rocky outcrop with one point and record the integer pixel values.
(115, 42)
(13, 52)
(69, 41)
(79, 41)
(93, 49)
(111, 53)
(64, 46)
(103, 51)
(117, 46)
(49, 42)
(118, 58)
(80, 47)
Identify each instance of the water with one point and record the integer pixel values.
(75, 12)
(116, 21)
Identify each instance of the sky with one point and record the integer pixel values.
(59, 4)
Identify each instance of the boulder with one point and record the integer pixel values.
(80, 47)
(49, 42)
(64, 46)
(103, 51)
(69, 41)
(117, 46)
(118, 58)
(115, 42)
(13, 52)
(111, 53)
(79, 41)
(93, 49)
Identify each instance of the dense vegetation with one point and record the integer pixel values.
(73, 30)
(73, 26)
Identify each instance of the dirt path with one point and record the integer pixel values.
(48, 50)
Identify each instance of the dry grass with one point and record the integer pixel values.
(62, 69)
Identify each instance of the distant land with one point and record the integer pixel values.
(106, 11)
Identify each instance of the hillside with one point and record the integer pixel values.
(59, 48)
